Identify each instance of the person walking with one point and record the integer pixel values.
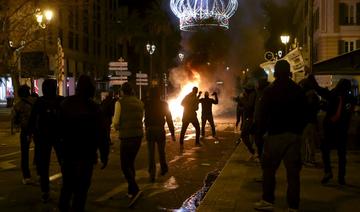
(44, 126)
(82, 135)
(191, 105)
(129, 112)
(336, 125)
(206, 112)
(156, 113)
(283, 118)
(108, 109)
(311, 138)
(261, 84)
(21, 116)
(248, 102)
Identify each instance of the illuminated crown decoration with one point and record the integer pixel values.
(203, 13)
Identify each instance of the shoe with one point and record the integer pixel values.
(341, 181)
(26, 181)
(292, 210)
(326, 178)
(134, 198)
(263, 205)
(45, 197)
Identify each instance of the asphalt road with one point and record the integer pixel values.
(108, 190)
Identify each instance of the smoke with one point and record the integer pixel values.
(220, 56)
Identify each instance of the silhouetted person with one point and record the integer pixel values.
(206, 112)
(311, 136)
(108, 109)
(248, 102)
(156, 113)
(260, 86)
(336, 125)
(239, 110)
(129, 112)
(82, 133)
(45, 127)
(191, 105)
(283, 117)
(21, 116)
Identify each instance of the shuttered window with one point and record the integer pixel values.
(358, 14)
(343, 11)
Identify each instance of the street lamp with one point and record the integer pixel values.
(150, 49)
(181, 57)
(285, 40)
(44, 18)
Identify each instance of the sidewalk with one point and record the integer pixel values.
(236, 190)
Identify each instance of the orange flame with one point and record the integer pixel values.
(175, 106)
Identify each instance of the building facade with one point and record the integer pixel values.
(326, 29)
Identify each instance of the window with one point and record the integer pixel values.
(316, 20)
(358, 13)
(349, 13)
(348, 46)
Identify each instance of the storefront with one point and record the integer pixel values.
(6, 90)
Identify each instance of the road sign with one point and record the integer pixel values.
(120, 64)
(118, 78)
(141, 75)
(123, 73)
(141, 80)
(142, 83)
(117, 68)
(117, 82)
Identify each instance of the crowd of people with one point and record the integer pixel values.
(77, 127)
(281, 118)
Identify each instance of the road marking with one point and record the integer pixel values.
(13, 153)
(55, 176)
(5, 165)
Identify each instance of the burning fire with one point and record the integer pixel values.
(175, 106)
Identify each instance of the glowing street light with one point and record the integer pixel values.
(44, 18)
(181, 56)
(285, 40)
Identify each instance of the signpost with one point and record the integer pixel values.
(141, 79)
(120, 70)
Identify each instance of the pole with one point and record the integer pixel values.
(140, 89)
(45, 53)
(151, 69)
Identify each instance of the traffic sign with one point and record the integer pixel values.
(123, 73)
(142, 83)
(117, 82)
(141, 75)
(141, 80)
(118, 77)
(119, 64)
(117, 68)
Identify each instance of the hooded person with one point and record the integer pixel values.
(83, 134)
(44, 126)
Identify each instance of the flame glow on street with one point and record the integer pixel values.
(175, 106)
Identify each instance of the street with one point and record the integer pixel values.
(108, 190)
